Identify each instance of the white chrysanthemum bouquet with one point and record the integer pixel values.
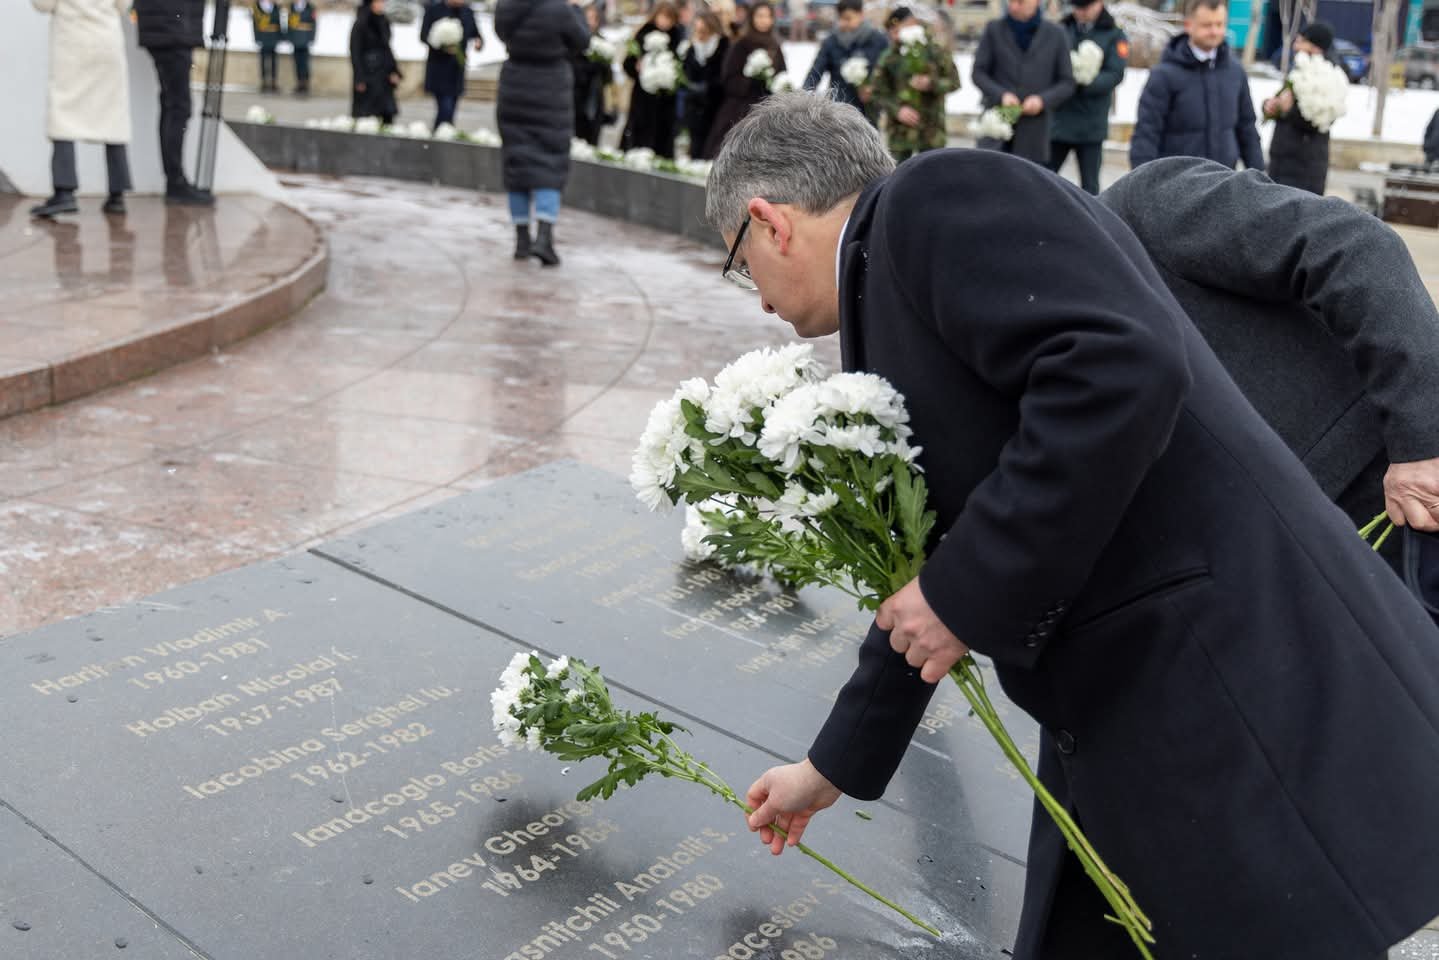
(660, 70)
(368, 125)
(782, 82)
(258, 114)
(600, 50)
(759, 66)
(565, 708)
(996, 123)
(855, 70)
(1321, 90)
(813, 477)
(449, 34)
(1086, 62)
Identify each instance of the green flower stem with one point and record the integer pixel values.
(1368, 529)
(966, 674)
(693, 771)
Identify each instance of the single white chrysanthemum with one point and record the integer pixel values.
(912, 39)
(758, 64)
(855, 70)
(789, 422)
(656, 41)
(368, 125)
(447, 132)
(693, 534)
(557, 668)
(782, 82)
(992, 125)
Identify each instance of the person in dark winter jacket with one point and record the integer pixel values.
(703, 57)
(300, 29)
(1299, 151)
(594, 72)
(536, 113)
(1196, 103)
(1023, 61)
(653, 115)
(268, 22)
(170, 30)
(445, 65)
(1081, 123)
(377, 74)
(852, 37)
(741, 93)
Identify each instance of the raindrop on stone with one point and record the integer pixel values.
(337, 798)
(20, 925)
(73, 699)
(367, 879)
(121, 943)
(199, 869)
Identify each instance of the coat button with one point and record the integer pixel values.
(1064, 740)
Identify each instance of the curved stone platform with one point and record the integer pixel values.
(92, 301)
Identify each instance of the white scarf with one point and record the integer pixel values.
(703, 51)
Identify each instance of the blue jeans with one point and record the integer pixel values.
(445, 105)
(547, 206)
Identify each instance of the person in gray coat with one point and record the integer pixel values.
(1023, 61)
(1320, 316)
(536, 113)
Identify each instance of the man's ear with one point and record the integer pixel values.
(771, 222)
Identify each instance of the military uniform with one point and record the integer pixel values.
(269, 26)
(300, 29)
(890, 87)
(1081, 123)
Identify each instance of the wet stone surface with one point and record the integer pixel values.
(198, 772)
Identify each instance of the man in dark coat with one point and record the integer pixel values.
(300, 30)
(170, 30)
(1299, 151)
(1023, 61)
(445, 66)
(1081, 123)
(268, 22)
(536, 113)
(376, 72)
(1196, 103)
(1318, 313)
(853, 36)
(1240, 703)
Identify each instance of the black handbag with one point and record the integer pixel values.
(1421, 568)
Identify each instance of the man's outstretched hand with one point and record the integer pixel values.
(787, 797)
(917, 633)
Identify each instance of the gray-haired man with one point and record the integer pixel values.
(1211, 651)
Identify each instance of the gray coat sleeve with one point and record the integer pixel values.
(1241, 233)
(1062, 86)
(983, 73)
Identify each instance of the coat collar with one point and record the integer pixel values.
(854, 261)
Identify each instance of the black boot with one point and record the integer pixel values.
(522, 241)
(183, 194)
(62, 202)
(544, 248)
(114, 205)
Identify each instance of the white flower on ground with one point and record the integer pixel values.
(693, 534)
(640, 158)
(573, 697)
(601, 49)
(1321, 90)
(698, 169)
(258, 114)
(557, 667)
(446, 131)
(661, 454)
(822, 502)
(417, 130)
(344, 122)
(992, 125)
(448, 32)
(855, 70)
(1086, 62)
(782, 82)
(758, 64)
(369, 125)
(486, 137)
(581, 150)
(513, 684)
(656, 40)
(532, 739)
(912, 38)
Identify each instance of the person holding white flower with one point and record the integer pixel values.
(376, 71)
(909, 85)
(653, 65)
(594, 75)
(87, 98)
(702, 62)
(1023, 61)
(742, 87)
(1081, 123)
(1299, 151)
(848, 56)
(1238, 700)
(447, 30)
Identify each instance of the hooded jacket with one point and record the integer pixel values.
(1195, 108)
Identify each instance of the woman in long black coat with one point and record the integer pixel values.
(536, 113)
(653, 116)
(1299, 152)
(742, 92)
(376, 72)
(592, 80)
(445, 67)
(702, 63)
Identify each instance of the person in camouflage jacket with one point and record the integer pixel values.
(908, 89)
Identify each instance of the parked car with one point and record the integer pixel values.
(1421, 65)
(1353, 60)
(819, 15)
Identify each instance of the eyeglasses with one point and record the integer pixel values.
(738, 274)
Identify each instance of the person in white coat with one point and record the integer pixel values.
(89, 97)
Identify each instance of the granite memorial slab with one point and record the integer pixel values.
(296, 760)
(566, 558)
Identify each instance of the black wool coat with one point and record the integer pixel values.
(1246, 697)
(702, 96)
(170, 23)
(373, 63)
(653, 117)
(445, 72)
(536, 101)
(1044, 70)
(741, 93)
(1299, 153)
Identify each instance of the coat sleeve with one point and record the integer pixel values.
(821, 65)
(1249, 149)
(357, 51)
(1154, 105)
(1240, 233)
(1079, 333)
(778, 54)
(882, 87)
(983, 73)
(576, 33)
(470, 25)
(1111, 74)
(1063, 86)
(432, 14)
(946, 78)
(632, 61)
